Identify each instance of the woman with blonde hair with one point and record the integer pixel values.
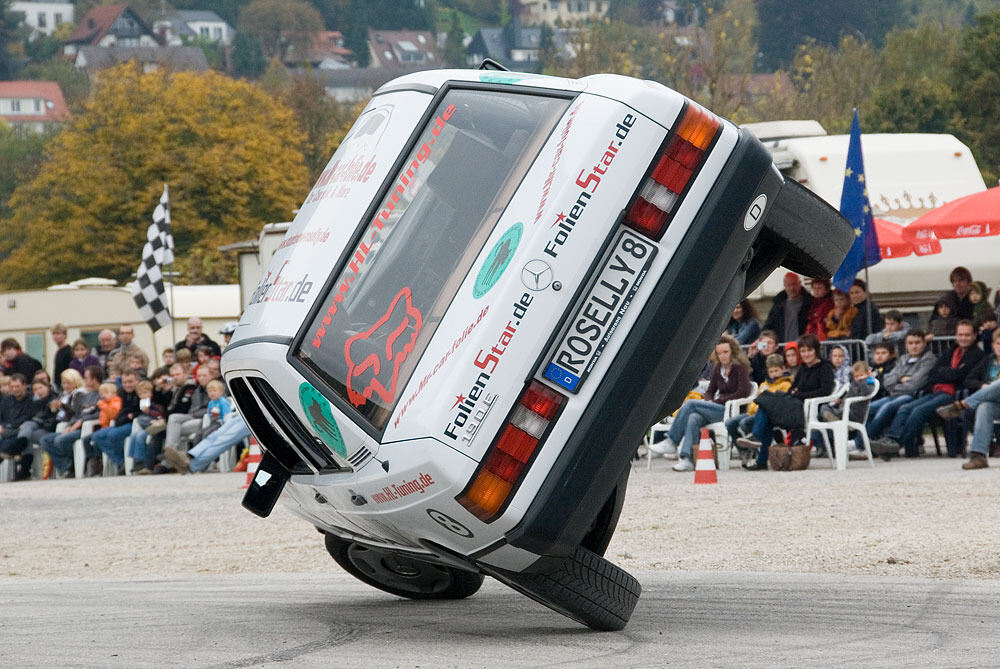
(730, 380)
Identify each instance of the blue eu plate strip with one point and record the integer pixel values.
(559, 375)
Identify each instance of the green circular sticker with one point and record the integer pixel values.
(496, 262)
(318, 412)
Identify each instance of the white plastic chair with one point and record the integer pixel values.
(842, 428)
(662, 426)
(732, 409)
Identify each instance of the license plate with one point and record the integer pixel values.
(598, 317)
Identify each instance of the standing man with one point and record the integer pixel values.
(789, 313)
(958, 297)
(64, 352)
(126, 347)
(106, 344)
(858, 294)
(15, 361)
(196, 337)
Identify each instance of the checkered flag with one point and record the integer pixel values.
(147, 291)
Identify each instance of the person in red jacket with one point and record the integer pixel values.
(821, 306)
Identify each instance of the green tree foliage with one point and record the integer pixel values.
(789, 24)
(280, 25)
(73, 81)
(227, 149)
(920, 105)
(10, 40)
(247, 56)
(21, 156)
(977, 83)
(454, 49)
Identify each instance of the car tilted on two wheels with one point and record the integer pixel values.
(499, 281)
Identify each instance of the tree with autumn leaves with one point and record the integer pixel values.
(228, 150)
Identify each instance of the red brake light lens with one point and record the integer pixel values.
(673, 169)
(508, 457)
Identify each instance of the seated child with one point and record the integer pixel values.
(944, 322)
(841, 361)
(148, 412)
(894, 331)
(861, 385)
(883, 360)
(778, 381)
(219, 406)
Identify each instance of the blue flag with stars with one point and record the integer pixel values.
(857, 210)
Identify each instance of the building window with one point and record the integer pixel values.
(41, 20)
(15, 105)
(38, 105)
(203, 31)
(58, 18)
(217, 32)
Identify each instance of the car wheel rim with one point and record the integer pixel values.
(398, 571)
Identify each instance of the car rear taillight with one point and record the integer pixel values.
(508, 458)
(673, 168)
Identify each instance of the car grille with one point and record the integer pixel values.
(291, 443)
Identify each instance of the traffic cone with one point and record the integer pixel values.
(704, 468)
(252, 461)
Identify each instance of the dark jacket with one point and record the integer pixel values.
(15, 411)
(130, 407)
(180, 402)
(63, 357)
(24, 364)
(978, 376)
(776, 316)
(943, 372)
(815, 381)
(44, 417)
(204, 341)
(859, 326)
(721, 390)
(880, 374)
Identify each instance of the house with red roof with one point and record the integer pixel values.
(32, 106)
(403, 48)
(110, 25)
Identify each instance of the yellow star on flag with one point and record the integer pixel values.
(857, 232)
(848, 172)
(865, 208)
(861, 178)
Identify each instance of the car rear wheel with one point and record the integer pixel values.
(583, 586)
(402, 575)
(795, 217)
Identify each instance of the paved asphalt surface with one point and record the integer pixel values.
(698, 619)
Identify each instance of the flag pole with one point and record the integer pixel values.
(868, 300)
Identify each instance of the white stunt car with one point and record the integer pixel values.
(499, 281)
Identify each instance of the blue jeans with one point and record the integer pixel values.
(984, 408)
(738, 424)
(762, 430)
(910, 419)
(111, 441)
(881, 412)
(694, 415)
(232, 432)
(60, 448)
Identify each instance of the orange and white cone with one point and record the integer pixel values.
(704, 468)
(252, 461)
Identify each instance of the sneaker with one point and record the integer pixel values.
(94, 467)
(663, 447)
(163, 469)
(179, 460)
(141, 470)
(829, 415)
(857, 455)
(745, 442)
(684, 465)
(951, 410)
(752, 466)
(976, 461)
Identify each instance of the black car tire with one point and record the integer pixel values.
(402, 575)
(583, 586)
(815, 235)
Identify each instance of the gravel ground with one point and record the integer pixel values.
(922, 517)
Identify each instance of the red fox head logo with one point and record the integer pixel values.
(375, 355)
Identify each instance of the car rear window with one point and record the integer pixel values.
(440, 207)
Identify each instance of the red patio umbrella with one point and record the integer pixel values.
(976, 215)
(892, 242)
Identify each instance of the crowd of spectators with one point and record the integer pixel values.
(815, 343)
(107, 399)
